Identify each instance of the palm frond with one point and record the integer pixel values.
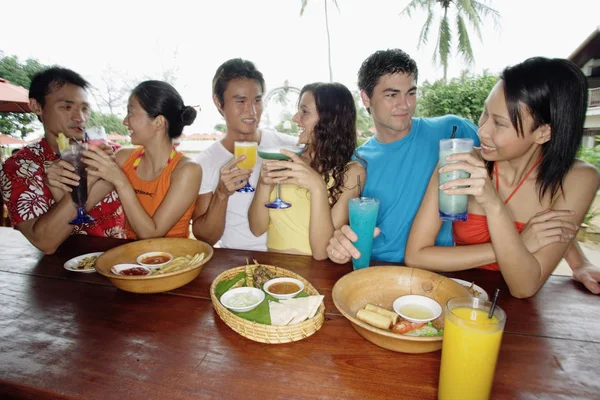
(444, 41)
(464, 43)
(304, 3)
(465, 8)
(485, 11)
(424, 35)
(336, 5)
(413, 5)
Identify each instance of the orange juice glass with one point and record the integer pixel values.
(247, 149)
(470, 349)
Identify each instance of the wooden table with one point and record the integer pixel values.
(73, 335)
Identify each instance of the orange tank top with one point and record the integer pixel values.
(152, 193)
(475, 230)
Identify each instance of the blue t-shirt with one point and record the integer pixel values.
(398, 174)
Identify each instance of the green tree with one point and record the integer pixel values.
(111, 123)
(220, 128)
(462, 96)
(470, 11)
(20, 74)
(364, 122)
(304, 4)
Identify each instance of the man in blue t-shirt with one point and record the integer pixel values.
(400, 158)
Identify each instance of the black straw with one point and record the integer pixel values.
(453, 132)
(494, 301)
(359, 188)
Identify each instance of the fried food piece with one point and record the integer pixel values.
(261, 275)
(383, 311)
(374, 319)
(474, 291)
(87, 263)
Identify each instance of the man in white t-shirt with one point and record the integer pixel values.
(221, 213)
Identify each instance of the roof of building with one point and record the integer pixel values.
(589, 49)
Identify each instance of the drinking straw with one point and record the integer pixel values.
(494, 301)
(453, 132)
(359, 188)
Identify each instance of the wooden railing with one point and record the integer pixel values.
(594, 98)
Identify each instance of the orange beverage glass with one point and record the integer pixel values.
(248, 149)
(470, 349)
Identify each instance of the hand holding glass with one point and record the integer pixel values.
(363, 218)
(247, 149)
(274, 153)
(453, 207)
(95, 136)
(74, 155)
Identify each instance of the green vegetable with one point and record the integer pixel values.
(426, 330)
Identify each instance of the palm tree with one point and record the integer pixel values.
(304, 3)
(470, 10)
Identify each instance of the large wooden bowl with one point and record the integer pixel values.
(381, 286)
(129, 252)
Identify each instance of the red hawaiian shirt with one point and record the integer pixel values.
(26, 195)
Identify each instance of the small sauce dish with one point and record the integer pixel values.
(283, 288)
(154, 259)
(416, 308)
(242, 299)
(130, 269)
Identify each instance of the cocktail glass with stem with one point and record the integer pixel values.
(74, 156)
(274, 153)
(247, 149)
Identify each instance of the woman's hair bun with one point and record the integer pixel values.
(188, 115)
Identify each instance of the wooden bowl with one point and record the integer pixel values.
(129, 252)
(381, 286)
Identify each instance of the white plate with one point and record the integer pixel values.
(71, 265)
(482, 296)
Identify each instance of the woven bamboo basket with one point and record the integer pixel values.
(270, 334)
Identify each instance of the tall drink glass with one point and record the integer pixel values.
(247, 149)
(363, 218)
(470, 348)
(453, 207)
(95, 136)
(74, 155)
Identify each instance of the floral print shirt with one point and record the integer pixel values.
(26, 195)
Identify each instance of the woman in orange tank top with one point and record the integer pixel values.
(528, 193)
(157, 185)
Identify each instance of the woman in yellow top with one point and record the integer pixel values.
(318, 183)
(157, 185)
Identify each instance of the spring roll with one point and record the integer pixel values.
(374, 319)
(393, 315)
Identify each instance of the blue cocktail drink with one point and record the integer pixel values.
(363, 218)
(453, 207)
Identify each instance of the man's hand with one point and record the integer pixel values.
(61, 178)
(589, 275)
(232, 178)
(340, 249)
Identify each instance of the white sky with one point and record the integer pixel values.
(139, 39)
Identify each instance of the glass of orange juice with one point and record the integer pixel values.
(247, 149)
(470, 348)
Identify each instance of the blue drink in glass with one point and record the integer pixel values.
(363, 218)
(453, 207)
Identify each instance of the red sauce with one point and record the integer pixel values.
(135, 271)
(159, 259)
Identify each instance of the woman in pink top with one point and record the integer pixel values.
(525, 176)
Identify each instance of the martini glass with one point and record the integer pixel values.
(74, 155)
(274, 153)
(247, 149)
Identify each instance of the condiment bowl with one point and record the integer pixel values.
(155, 283)
(147, 259)
(403, 304)
(271, 287)
(229, 298)
(121, 269)
(380, 286)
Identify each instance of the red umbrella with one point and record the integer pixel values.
(13, 98)
(5, 139)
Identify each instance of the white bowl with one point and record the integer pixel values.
(141, 258)
(402, 302)
(229, 297)
(269, 283)
(119, 268)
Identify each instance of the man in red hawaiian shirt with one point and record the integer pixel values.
(38, 201)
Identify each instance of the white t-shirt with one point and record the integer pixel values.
(237, 233)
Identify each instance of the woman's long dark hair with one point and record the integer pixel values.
(555, 92)
(334, 137)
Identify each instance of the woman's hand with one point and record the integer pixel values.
(479, 185)
(265, 169)
(548, 227)
(589, 275)
(108, 150)
(104, 166)
(297, 172)
(61, 178)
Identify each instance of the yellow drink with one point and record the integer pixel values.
(247, 149)
(470, 350)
